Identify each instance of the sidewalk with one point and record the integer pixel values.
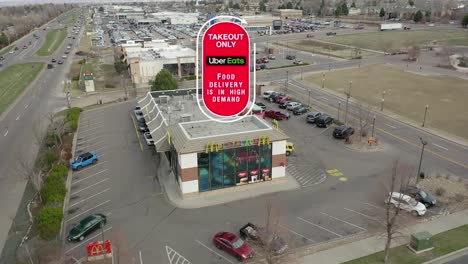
(375, 244)
(173, 194)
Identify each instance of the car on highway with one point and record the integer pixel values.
(323, 121)
(66, 52)
(275, 115)
(53, 60)
(2, 58)
(343, 131)
(292, 105)
(25, 47)
(265, 237)
(331, 33)
(300, 110)
(84, 160)
(64, 56)
(234, 245)
(59, 62)
(406, 202)
(148, 138)
(50, 66)
(312, 117)
(290, 57)
(86, 226)
(11, 51)
(421, 196)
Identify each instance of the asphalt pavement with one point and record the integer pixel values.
(24, 122)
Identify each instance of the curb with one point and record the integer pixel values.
(451, 256)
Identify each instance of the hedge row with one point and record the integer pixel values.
(53, 194)
(73, 114)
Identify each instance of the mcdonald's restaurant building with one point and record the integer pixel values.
(206, 155)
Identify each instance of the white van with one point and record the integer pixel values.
(266, 95)
(292, 105)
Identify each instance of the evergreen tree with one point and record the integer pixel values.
(382, 12)
(418, 16)
(164, 81)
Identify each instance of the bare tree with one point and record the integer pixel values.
(413, 53)
(396, 182)
(364, 119)
(27, 169)
(444, 53)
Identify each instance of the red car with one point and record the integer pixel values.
(282, 99)
(275, 115)
(264, 60)
(232, 244)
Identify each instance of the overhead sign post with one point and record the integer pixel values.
(226, 69)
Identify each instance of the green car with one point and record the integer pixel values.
(86, 227)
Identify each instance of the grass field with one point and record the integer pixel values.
(389, 41)
(15, 79)
(53, 41)
(324, 48)
(5, 50)
(407, 94)
(444, 243)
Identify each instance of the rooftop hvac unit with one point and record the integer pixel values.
(185, 117)
(163, 99)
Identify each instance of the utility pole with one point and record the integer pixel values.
(68, 100)
(308, 102)
(339, 106)
(323, 83)
(348, 95)
(286, 82)
(424, 143)
(425, 114)
(383, 100)
(373, 125)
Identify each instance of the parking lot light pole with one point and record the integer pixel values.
(425, 114)
(323, 83)
(373, 125)
(424, 143)
(339, 106)
(286, 82)
(308, 101)
(348, 95)
(383, 100)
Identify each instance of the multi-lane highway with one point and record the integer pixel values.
(20, 125)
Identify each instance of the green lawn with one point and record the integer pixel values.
(5, 50)
(53, 41)
(69, 20)
(456, 42)
(15, 79)
(394, 40)
(444, 243)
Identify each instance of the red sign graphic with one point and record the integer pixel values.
(226, 69)
(98, 248)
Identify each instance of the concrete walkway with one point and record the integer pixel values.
(198, 200)
(375, 244)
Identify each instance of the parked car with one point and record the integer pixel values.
(300, 110)
(407, 203)
(84, 160)
(271, 57)
(234, 245)
(310, 35)
(258, 61)
(25, 47)
(86, 227)
(261, 105)
(292, 105)
(283, 105)
(266, 94)
(142, 127)
(148, 138)
(265, 237)
(343, 131)
(312, 117)
(297, 62)
(138, 113)
(274, 96)
(2, 58)
(258, 67)
(290, 57)
(359, 27)
(421, 196)
(331, 33)
(282, 99)
(323, 121)
(264, 60)
(263, 66)
(275, 115)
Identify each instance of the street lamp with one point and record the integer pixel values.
(373, 125)
(383, 100)
(286, 82)
(323, 83)
(424, 143)
(308, 102)
(348, 95)
(425, 114)
(339, 106)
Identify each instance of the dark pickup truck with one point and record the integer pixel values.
(264, 237)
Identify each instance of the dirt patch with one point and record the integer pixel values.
(406, 94)
(450, 190)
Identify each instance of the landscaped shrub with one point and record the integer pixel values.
(47, 159)
(50, 219)
(54, 190)
(61, 169)
(440, 191)
(73, 114)
(52, 139)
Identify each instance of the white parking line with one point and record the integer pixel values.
(141, 259)
(323, 228)
(90, 186)
(343, 221)
(389, 125)
(439, 146)
(361, 214)
(90, 197)
(294, 232)
(88, 168)
(26, 106)
(372, 205)
(214, 252)
(92, 175)
(96, 127)
(75, 216)
(84, 241)
(6, 133)
(17, 118)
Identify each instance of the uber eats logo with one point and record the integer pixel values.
(225, 60)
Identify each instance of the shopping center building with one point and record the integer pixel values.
(207, 155)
